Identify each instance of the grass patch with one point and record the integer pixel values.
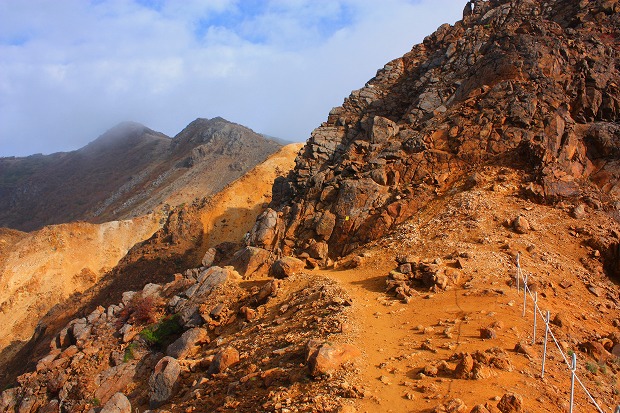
(128, 355)
(159, 334)
(591, 367)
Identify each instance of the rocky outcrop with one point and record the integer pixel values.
(517, 83)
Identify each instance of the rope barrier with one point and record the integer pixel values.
(571, 364)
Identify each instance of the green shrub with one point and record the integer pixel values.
(591, 367)
(159, 333)
(129, 352)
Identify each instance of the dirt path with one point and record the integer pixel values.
(391, 336)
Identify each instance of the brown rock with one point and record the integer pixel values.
(464, 366)
(324, 358)
(521, 225)
(287, 267)
(479, 409)
(579, 211)
(526, 350)
(251, 261)
(117, 404)
(209, 258)
(114, 380)
(511, 403)
(223, 359)
(487, 333)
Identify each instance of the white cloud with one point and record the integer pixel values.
(71, 69)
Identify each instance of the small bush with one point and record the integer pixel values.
(139, 310)
(591, 367)
(158, 334)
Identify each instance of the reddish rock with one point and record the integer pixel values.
(223, 360)
(324, 358)
(511, 403)
(286, 267)
(464, 366)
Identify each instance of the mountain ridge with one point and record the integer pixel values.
(128, 171)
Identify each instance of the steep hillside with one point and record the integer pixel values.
(127, 172)
(43, 268)
(48, 266)
(525, 84)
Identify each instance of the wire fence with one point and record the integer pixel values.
(571, 359)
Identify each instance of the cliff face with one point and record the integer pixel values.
(527, 84)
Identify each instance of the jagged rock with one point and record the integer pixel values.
(209, 258)
(251, 261)
(223, 360)
(480, 408)
(163, 381)
(287, 267)
(464, 367)
(579, 211)
(526, 350)
(521, 225)
(323, 358)
(487, 333)
(151, 290)
(117, 404)
(264, 233)
(188, 343)
(208, 280)
(511, 403)
(451, 406)
(114, 380)
(8, 399)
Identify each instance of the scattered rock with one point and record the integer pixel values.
(511, 403)
(117, 404)
(521, 225)
(526, 350)
(323, 358)
(579, 211)
(209, 258)
(223, 359)
(479, 409)
(487, 333)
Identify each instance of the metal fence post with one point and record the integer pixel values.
(535, 311)
(524, 294)
(617, 410)
(518, 274)
(542, 374)
(572, 382)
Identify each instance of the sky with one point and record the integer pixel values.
(72, 69)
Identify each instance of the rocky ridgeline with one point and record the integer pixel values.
(529, 84)
(201, 341)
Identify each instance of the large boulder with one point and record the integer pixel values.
(188, 343)
(162, 382)
(251, 261)
(286, 267)
(324, 358)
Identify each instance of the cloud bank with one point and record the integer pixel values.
(71, 69)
